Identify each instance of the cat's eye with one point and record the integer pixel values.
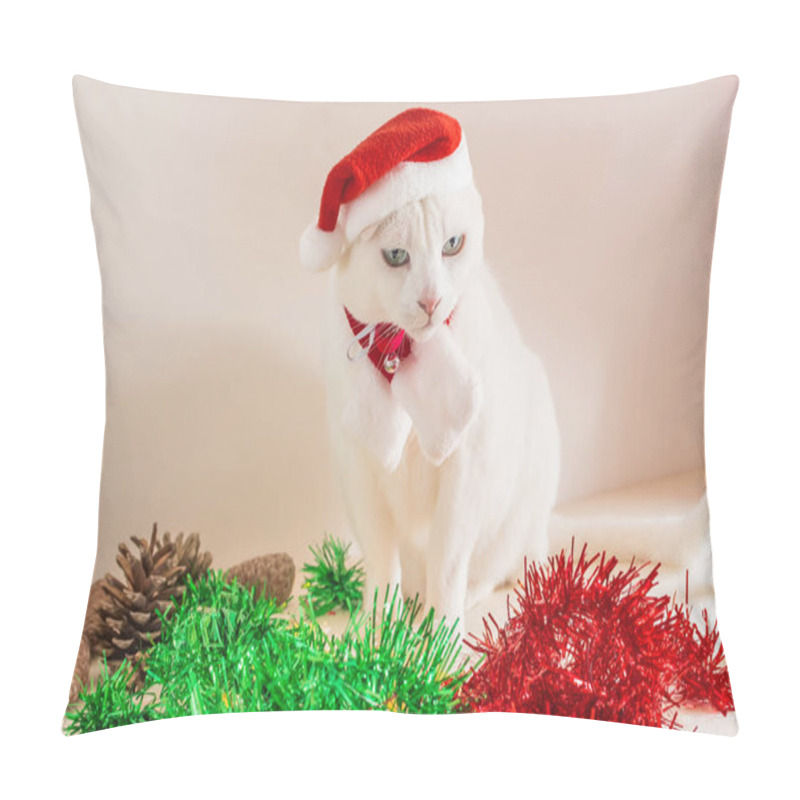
(453, 245)
(396, 257)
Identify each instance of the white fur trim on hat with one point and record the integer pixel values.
(408, 181)
(320, 249)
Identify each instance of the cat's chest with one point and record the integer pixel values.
(411, 490)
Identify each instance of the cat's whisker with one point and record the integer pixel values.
(388, 333)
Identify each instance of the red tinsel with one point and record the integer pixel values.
(588, 640)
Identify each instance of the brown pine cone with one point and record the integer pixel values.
(80, 676)
(272, 575)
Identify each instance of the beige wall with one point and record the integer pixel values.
(600, 215)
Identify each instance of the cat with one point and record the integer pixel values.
(450, 470)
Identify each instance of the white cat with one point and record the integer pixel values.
(449, 471)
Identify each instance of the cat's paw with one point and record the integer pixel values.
(374, 418)
(442, 394)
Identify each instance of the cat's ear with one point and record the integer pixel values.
(320, 250)
(368, 232)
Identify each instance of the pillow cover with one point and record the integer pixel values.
(320, 491)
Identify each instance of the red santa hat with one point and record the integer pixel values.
(415, 154)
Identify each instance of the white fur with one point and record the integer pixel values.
(449, 473)
(372, 415)
(439, 417)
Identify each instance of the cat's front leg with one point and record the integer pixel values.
(371, 522)
(452, 540)
(383, 574)
(381, 554)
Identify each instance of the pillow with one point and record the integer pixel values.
(462, 470)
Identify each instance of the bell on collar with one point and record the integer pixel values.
(391, 364)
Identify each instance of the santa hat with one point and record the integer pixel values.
(415, 154)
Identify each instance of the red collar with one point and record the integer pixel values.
(385, 344)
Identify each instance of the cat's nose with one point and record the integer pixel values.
(429, 305)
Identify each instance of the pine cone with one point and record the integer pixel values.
(93, 625)
(188, 555)
(272, 575)
(80, 677)
(152, 579)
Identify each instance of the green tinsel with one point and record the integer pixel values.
(226, 650)
(331, 583)
(111, 703)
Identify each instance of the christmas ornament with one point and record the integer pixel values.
(416, 153)
(585, 639)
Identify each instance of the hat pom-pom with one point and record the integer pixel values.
(320, 249)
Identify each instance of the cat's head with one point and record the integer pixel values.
(410, 268)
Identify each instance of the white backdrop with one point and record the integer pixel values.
(52, 404)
